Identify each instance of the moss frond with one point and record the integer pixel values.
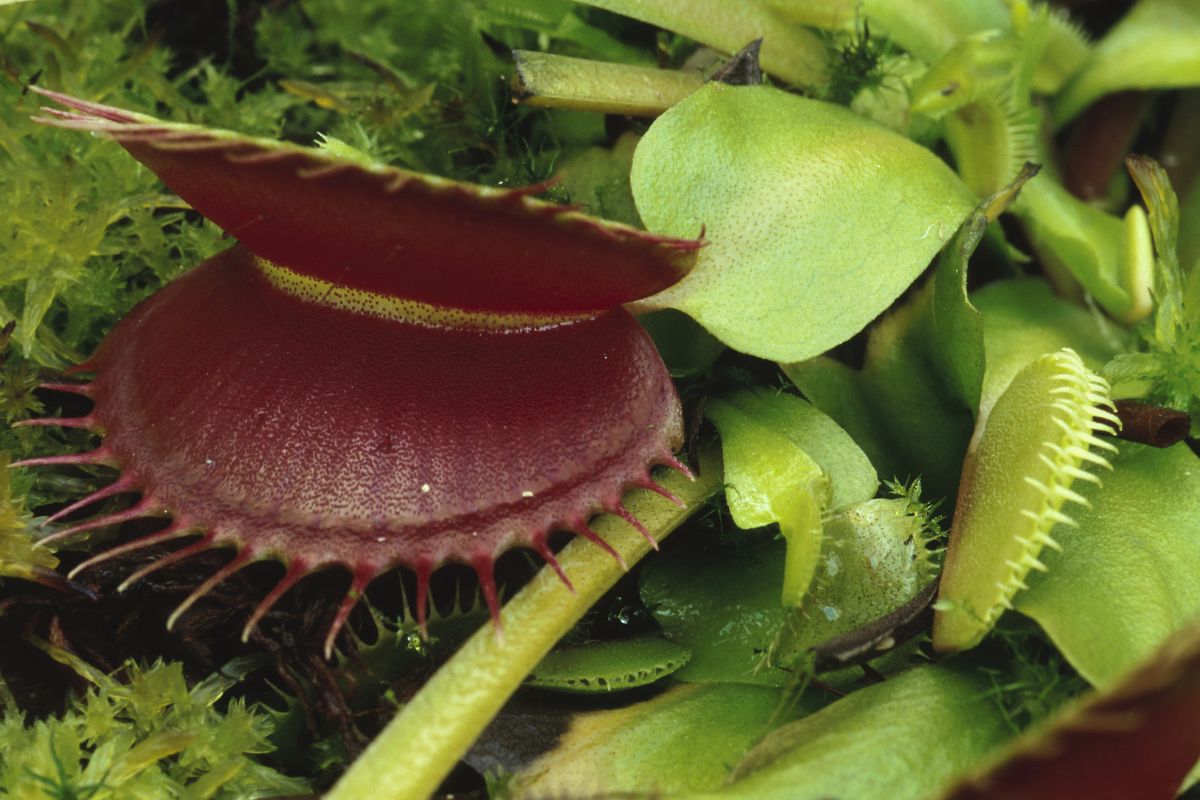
(19, 558)
(145, 734)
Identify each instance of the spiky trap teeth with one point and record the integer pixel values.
(1036, 442)
(362, 399)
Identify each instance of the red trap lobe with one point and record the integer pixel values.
(337, 408)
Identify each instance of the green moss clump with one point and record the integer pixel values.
(144, 736)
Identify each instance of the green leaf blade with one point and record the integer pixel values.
(808, 239)
(1129, 575)
(899, 739)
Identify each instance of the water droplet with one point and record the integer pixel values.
(425, 487)
(526, 493)
(381, 539)
(208, 462)
(830, 613)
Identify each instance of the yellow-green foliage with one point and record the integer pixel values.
(1031, 448)
(142, 736)
(18, 558)
(1167, 368)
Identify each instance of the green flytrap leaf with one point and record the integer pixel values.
(1155, 46)
(783, 459)
(808, 241)
(1110, 256)
(980, 90)
(875, 559)
(769, 481)
(1129, 574)
(721, 600)
(597, 667)
(851, 476)
(928, 29)
(903, 738)
(1018, 475)
(682, 741)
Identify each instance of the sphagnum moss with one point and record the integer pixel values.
(1017, 478)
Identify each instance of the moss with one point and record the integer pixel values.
(145, 734)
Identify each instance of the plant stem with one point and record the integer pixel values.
(551, 81)
(431, 733)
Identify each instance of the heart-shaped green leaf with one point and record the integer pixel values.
(911, 405)
(816, 219)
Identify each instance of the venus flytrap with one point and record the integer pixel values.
(876, 556)
(816, 221)
(787, 463)
(602, 667)
(437, 726)
(345, 250)
(1027, 452)
(925, 29)
(1126, 577)
(979, 89)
